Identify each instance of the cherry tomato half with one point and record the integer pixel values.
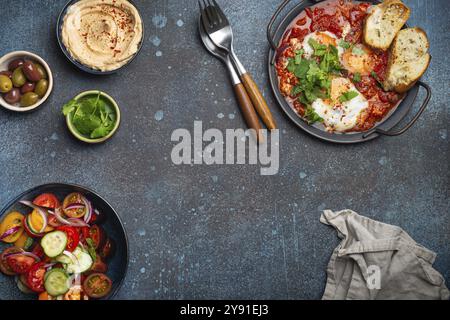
(20, 263)
(4, 267)
(35, 277)
(47, 200)
(97, 285)
(53, 221)
(97, 234)
(108, 249)
(74, 199)
(73, 237)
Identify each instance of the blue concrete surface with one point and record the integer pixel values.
(223, 231)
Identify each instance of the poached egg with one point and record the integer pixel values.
(341, 116)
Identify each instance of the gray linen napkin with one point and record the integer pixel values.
(378, 261)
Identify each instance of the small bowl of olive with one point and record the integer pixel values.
(26, 81)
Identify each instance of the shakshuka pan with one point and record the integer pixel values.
(328, 75)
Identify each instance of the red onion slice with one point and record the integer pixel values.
(89, 210)
(74, 222)
(74, 206)
(12, 253)
(77, 222)
(58, 215)
(29, 254)
(9, 232)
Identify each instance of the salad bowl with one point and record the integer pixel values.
(112, 224)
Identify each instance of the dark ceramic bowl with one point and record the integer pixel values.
(79, 64)
(275, 33)
(117, 265)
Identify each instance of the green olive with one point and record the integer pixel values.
(18, 78)
(41, 88)
(41, 70)
(5, 84)
(28, 99)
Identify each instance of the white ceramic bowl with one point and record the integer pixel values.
(6, 59)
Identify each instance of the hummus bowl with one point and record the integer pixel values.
(100, 36)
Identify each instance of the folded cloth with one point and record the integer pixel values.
(378, 261)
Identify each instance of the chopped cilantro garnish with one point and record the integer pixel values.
(347, 96)
(344, 44)
(357, 77)
(375, 76)
(312, 116)
(314, 76)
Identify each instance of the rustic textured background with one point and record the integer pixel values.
(223, 231)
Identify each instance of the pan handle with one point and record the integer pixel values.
(272, 21)
(410, 123)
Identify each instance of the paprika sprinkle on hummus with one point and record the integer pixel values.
(102, 34)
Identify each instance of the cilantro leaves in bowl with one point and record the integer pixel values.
(92, 116)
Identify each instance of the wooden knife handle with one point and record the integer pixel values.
(249, 113)
(259, 102)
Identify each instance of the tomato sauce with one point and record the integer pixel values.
(345, 19)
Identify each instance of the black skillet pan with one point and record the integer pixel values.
(385, 127)
(117, 265)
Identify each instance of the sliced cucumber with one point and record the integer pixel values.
(84, 262)
(56, 282)
(62, 258)
(22, 287)
(54, 243)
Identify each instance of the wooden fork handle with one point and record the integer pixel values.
(249, 113)
(258, 100)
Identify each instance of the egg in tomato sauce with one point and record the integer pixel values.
(341, 115)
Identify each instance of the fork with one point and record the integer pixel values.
(219, 30)
(249, 113)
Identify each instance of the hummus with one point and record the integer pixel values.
(102, 34)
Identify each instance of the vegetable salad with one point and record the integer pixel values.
(59, 251)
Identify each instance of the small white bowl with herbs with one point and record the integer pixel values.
(92, 116)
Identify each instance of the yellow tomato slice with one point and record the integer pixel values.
(22, 240)
(37, 222)
(13, 219)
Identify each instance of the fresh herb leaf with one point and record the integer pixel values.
(319, 49)
(291, 65)
(344, 44)
(357, 77)
(296, 90)
(87, 123)
(312, 116)
(347, 96)
(100, 132)
(375, 76)
(92, 116)
(91, 249)
(302, 69)
(69, 107)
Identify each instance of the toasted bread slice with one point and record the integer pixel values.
(408, 60)
(384, 22)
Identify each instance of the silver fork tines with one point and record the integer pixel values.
(212, 16)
